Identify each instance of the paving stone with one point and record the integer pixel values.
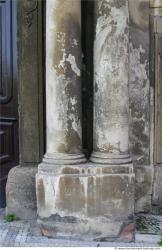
(27, 234)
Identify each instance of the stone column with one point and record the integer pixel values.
(111, 108)
(63, 82)
(87, 201)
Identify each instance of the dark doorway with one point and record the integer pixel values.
(9, 154)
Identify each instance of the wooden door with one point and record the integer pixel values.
(8, 93)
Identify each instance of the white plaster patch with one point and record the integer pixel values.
(71, 60)
(62, 61)
(75, 42)
(73, 101)
(76, 124)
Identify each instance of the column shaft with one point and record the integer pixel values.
(93, 202)
(63, 81)
(111, 125)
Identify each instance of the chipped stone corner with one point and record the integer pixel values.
(20, 192)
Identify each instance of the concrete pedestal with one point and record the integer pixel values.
(86, 202)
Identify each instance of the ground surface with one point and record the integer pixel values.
(27, 234)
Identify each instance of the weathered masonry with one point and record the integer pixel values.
(73, 195)
(90, 116)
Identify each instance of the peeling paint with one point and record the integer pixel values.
(71, 60)
(63, 91)
(111, 77)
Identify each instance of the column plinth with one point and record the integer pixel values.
(108, 158)
(61, 159)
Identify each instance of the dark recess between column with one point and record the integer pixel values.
(87, 75)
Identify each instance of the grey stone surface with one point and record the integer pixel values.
(111, 72)
(21, 192)
(141, 103)
(71, 200)
(63, 82)
(155, 20)
(25, 233)
(139, 83)
(143, 187)
(30, 81)
(149, 224)
(157, 187)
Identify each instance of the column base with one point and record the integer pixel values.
(20, 192)
(108, 158)
(60, 159)
(86, 202)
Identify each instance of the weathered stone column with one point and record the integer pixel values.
(63, 82)
(87, 201)
(111, 108)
